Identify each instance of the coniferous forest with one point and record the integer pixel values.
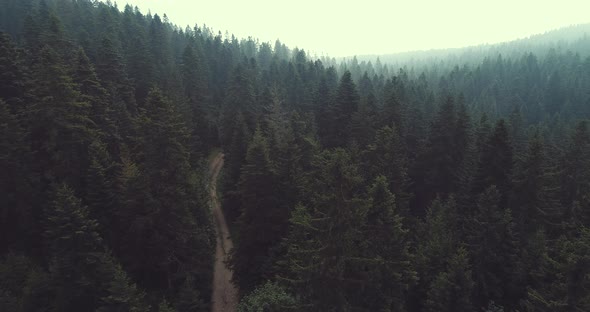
(450, 184)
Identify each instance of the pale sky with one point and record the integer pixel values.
(346, 28)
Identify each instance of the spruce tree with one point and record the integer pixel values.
(345, 104)
(452, 289)
(386, 156)
(173, 228)
(17, 220)
(535, 196)
(262, 221)
(323, 242)
(575, 177)
(496, 163)
(92, 92)
(85, 277)
(61, 128)
(494, 245)
(13, 77)
(390, 272)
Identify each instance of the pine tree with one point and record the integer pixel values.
(194, 89)
(84, 274)
(575, 177)
(534, 195)
(110, 69)
(438, 240)
(345, 104)
(322, 103)
(262, 221)
(189, 299)
(494, 246)
(389, 269)
(121, 293)
(496, 163)
(13, 77)
(564, 285)
(452, 289)
(442, 151)
(61, 129)
(168, 237)
(100, 191)
(239, 99)
(16, 208)
(92, 92)
(394, 111)
(323, 242)
(385, 156)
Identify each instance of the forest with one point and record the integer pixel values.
(447, 184)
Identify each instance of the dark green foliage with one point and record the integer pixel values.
(385, 156)
(452, 289)
(564, 284)
(162, 189)
(347, 185)
(101, 113)
(323, 252)
(534, 190)
(268, 297)
(575, 177)
(442, 166)
(438, 241)
(15, 201)
(262, 222)
(495, 163)
(341, 110)
(60, 125)
(84, 274)
(13, 79)
(494, 245)
(389, 263)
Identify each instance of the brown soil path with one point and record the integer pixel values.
(225, 294)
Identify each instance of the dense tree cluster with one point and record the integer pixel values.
(349, 186)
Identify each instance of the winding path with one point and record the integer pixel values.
(225, 294)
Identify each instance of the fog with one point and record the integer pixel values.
(340, 28)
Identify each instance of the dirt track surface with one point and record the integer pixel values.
(225, 294)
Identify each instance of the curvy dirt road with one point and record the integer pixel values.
(225, 294)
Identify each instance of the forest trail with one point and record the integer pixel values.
(225, 294)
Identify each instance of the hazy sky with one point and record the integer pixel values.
(345, 28)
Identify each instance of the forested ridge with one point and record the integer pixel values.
(352, 186)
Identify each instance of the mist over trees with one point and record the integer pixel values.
(461, 184)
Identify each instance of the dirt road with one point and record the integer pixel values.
(225, 294)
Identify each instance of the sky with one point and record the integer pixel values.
(347, 28)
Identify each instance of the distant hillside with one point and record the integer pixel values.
(575, 38)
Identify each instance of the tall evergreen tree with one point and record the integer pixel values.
(494, 246)
(13, 76)
(322, 246)
(390, 271)
(452, 289)
(496, 163)
(61, 129)
(84, 274)
(262, 222)
(385, 156)
(535, 195)
(575, 177)
(15, 183)
(345, 104)
(174, 225)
